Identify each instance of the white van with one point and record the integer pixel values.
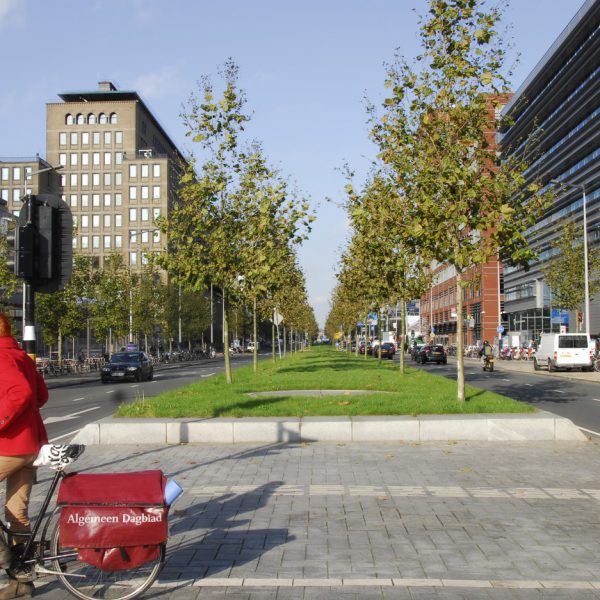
(564, 351)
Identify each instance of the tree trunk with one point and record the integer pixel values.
(254, 329)
(460, 363)
(59, 349)
(228, 377)
(379, 335)
(284, 341)
(273, 341)
(402, 334)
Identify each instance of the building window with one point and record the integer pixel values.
(118, 137)
(133, 259)
(73, 200)
(85, 139)
(85, 200)
(155, 170)
(96, 242)
(107, 178)
(102, 119)
(80, 119)
(62, 159)
(96, 159)
(4, 195)
(96, 179)
(96, 200)
(91, 119)
(73, 179)
(132, 215)
(85, 179)
(62, 139)
(118, 199)
(155, 213)
(118, 178)
(132, 236)
(156, 236)
(132, 192)
(145, 214)
(132, 171)
(16, 173)
(5, 173)
(107, 241)
(144, 192)
(113, 118)
(118, 241)
(107, 138)
(106, 199)
(145, 170)
(69, 120)
(73, 159)
(96, 221)
(74, 138)
(84, 242)
(96, 138)
(16, 195)
(85, 159)
(156, 192)
(85, 221)
(145, 236)
(63, 180)
(118, 220)
(107, 158)
(118, 158)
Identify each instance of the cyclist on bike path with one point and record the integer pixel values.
(22, 433)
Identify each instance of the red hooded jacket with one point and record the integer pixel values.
(22, 393)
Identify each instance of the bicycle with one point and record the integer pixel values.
(33, 555)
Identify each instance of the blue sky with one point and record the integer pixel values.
(305, 65)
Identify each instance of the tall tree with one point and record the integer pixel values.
(436, 137)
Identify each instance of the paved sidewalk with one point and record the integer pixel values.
(361, 521)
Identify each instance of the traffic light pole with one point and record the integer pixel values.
(29, 341)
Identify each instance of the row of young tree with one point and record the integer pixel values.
(439, 193)
(238, 222)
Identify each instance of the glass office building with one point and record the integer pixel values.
(559, 105)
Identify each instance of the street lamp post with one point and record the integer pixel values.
(581, 187)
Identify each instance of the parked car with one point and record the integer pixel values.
(127, 365)
(361, 348)
(387, 350)
(564, 351)
(433, 353)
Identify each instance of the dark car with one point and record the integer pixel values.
(387, 350)
(127, 365)
(361, 348)
(432, 353)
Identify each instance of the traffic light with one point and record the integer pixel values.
(45, 254)
(12, 244)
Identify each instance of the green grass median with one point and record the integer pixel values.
(417, 392)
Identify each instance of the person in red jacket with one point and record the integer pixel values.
(22, 433)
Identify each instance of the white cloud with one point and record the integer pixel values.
(12, 12)
(164, 82)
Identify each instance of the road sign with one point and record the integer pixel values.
(500, 329)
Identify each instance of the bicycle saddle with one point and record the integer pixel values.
(58, 456)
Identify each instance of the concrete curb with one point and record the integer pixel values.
(542, 426)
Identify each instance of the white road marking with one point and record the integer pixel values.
(60, 437)
(69, 417)
(589, 431)
(110, 392)
(77, 399)
(136, 385)
(596, 399)
(505, 379)
(528, 384)
(207, 374)
(560, 392)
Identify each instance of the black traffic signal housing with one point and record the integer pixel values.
(45, 251)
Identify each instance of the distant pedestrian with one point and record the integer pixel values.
(22, 433)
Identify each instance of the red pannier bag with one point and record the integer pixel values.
(116, 521)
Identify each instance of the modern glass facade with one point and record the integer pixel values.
(559, 104)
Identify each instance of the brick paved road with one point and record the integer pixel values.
(351, 521)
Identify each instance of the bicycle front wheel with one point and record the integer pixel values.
(90, 583)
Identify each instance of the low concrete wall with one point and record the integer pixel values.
(542, 426)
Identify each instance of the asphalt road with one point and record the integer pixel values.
(575, 400)
(71, 407)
